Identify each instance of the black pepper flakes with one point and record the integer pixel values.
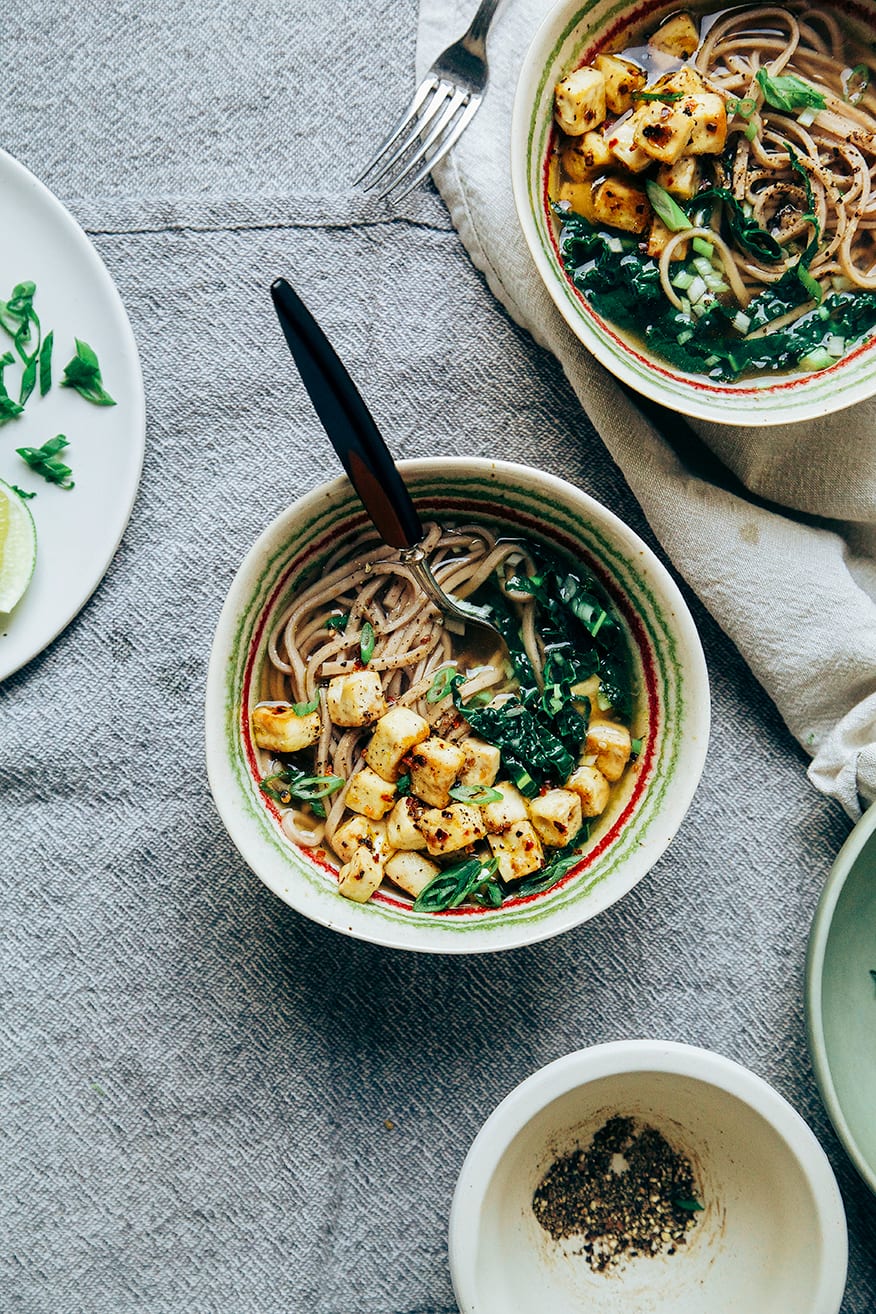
(621, 1195)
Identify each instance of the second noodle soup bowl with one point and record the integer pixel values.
(671, 715)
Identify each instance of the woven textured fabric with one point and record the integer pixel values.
(799, 599)
(207, 1104)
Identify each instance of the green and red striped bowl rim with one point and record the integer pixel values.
(672, 716)
(573, 34)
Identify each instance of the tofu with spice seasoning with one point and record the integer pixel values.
(481, 762)
(708, 118)
(361, 876)
(370, 794)
(622, 204)
(511, 808)
(395, 734)
(449, 829)
(517, 850)
(402, 827)
(622, 79)
(623, 147)
(579, 101)
(355, 699)
(434, 765)
(279, 728)
(581, 157)
(592, 789)
(678, 36)
(361, 831)
(556, 816)
(612, 746)
(662, 130)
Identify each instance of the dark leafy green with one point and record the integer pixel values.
(44, 461)
(455, 884)
(22, 492)
(689, 1206)
(9, 409)
(746, 231)
(624, 286)
(83, 374)
(339, 623)
(540, 731)
(46, 363)
(789, 92)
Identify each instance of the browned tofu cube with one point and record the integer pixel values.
(678, 36)
(681, 179)
(622, 78)
(278, 727)
(623, 147)
(622, 204)
(658, 236)
(581, 157)
(662, 130)
(708, 117)
(579, 101)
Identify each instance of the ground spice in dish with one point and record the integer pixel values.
(628, 1194)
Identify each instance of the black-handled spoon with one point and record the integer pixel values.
(363, 453)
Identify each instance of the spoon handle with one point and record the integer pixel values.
(348, 422)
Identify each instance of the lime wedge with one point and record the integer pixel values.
(18, 547)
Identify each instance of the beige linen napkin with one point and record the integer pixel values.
(795, 593)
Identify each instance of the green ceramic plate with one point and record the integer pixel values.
(841, 996)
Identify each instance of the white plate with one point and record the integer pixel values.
(79, 530)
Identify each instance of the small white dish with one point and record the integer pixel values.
(672, 715)
(771, 1237)
(78, 530)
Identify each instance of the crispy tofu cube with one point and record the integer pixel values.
(579, 101)
(686, 80)
(278, 727)
(581, 157)
(622, 78)
(681, 179)
(678, 36)
(358, 831)
(662, 130)
(708, 117)
(356, 699)
(481, 762)
(622, 204)
(579, 196)
(624, 149)
(658, 236)
(371, 794)
(517, 850)
(402, 829)
(395, 734)
(411, 872)
(556, 816)
(612, 745)
(434, 766)
(360, 877)
(451, 828)
(592, 789)
(499, 816)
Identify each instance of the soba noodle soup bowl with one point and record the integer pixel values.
(717, 335)
(668, 722)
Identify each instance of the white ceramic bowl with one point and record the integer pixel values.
(772, 1235)
(571, 34)
(672, 714)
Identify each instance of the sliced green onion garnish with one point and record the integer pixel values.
(478, 794)
(441, 685)
(752, 129)
(304, 709)
(683, 279)
(636, 747)
(366, 643)
(403, 785)
(703, 248)
(835, 345)
(819, 359)
(667, 209)
(337, 622)
(811, 286)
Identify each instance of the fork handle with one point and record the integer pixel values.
(348, 422)
(475, 39)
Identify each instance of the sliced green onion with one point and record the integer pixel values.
(636, 747)
(441, 685)
(683, 279)
(752, 129)
(366, 643)
(715, 283)
(711, 360)
(703, 264)
(667, 209)
(703, 248)
(614, 243)
(684, 337)
(807, 117)
(480, 795)
(304, 709)
(741, 321)
(819, 359)
(696, 289)
(822, 312)
(835, 346)
(337, 622)
(811, 286)
(855, 82)
(744, 107)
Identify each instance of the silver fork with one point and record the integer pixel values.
(441, 109)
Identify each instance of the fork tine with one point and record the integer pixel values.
(418, 126)
(426, 86)
(452, 108)
(450, 140)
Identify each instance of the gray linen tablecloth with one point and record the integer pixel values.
(206, 1102)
